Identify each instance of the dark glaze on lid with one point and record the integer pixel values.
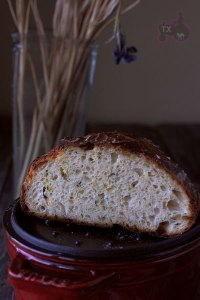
(79, 241)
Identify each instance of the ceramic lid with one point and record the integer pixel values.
(80, 241)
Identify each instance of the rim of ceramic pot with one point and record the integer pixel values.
(76, 241)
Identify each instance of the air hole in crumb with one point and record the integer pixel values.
(99, 155)
(85, 178)
(77, 171)
(71, 199)
(177, 194)
(127, 198)
(163, 188)
(138, 171)
(83, 157)
(114, 157)
(150, 174)
(54, 177)
(176, 218)
(156, 210)
(109, 189)
(155, 186)
(134, 183)
(173, 205)
(42, 207)
(101, 196)
(162, 228)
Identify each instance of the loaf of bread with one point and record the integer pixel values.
(104, 179)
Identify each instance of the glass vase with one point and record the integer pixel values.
(52, 77)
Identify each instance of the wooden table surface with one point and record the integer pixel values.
(181, 142)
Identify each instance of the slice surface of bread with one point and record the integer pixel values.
(110, 178)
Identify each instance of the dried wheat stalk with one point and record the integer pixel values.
(75, 25)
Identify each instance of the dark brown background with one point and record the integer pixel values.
(163, 85)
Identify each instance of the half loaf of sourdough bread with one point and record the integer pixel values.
(104, 179)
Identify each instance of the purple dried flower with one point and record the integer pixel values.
(122, 52)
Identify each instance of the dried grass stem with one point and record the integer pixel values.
(65, 60)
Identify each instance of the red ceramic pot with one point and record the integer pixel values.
(50, 261)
